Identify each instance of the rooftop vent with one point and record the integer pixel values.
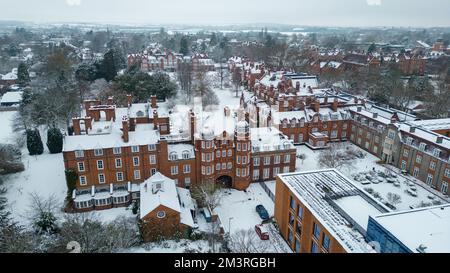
(412, 129)
(440, 140)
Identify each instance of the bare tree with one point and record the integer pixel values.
(335, 157)
(203, 88)
(237, 79)
(208, 194)
(393, 199)
(185, 77)
(247, 241)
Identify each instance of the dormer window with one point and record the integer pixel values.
(409, 140)
(173, 156)
(135, 149)
(98, 152)
(79, 154)
(436, 152)
(422, 146)
(117, 151)
(186, 155)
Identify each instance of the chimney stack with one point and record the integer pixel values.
(335, 105)
(88, 124)
(155, 119)
(125, 129)
(154, 102)
(129, 100)
(111, 100)
(317, 106)
(297, 86)
(76, 126)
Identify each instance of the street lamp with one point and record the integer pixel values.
(229, 224)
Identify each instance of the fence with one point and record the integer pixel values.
(268, 191)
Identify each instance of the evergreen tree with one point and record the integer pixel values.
(54, 140)
(214, 40)
(371, 48)
(46, 223)
(23, 76)
(108, 67)
(184, 46)
(71, 182)
(34, 142)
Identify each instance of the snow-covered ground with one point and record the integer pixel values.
(183, 246)
(6, 133)
(425, 194)
(240, 207)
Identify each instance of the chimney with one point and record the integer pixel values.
(111, 100)
(226, 111)
(129, 100)
(317, 106)
(375, 115)
(155, 119)
(356, 100)
(302, 106)
(87, 105)
(440, 140)
(88, 124)
(192, 118)
(125, 129)
(76, 126)
(154, 102)
(335, 105)
(326, 100)
(412, 129)
(297, 86)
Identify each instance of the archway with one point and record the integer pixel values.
(225, 181)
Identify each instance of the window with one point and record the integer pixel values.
(218, 154)
(267, 160)
(290, 236)
(432, 165)
(119, 176)
(161, 214)
(416, 172)
(286, 169)
(83, 181)
(153, 159)
(117, 151)
(118, 163)
(256, 161)
(244, 160)
(79, 154)
(186, 155)
(255, 175)
(276, 159)
(238, 159)
(230, 166)
(153, 171)
(314, 248)
(152, 147)
(137, 174)
(292, 203)
(81, 167)
(101, 178)
(100, 164)
(224, 153)
(266, 173)
(230, 153)
(136, 161)
(419, 159)
(276, 171)
(187, 182)
(436, 152)
(298, 229)
(238, 146)
(405, 153)
(173, 156)
(287, 158)
(218, 166)
(238, 172)
(444, 187)
(403, 167)
(300, 212)
(316, 231)
(297, 246)
(447, 173)
(174, 170)
(187, 168)
(326, 242)
(135, 149)
(429, 179)
(422, 146)
(244, 147)
(98, 152)
(224, 166)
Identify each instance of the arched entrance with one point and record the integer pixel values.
(225, 181)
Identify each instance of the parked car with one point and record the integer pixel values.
(262, 232)
(262, 212)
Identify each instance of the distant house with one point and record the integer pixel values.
(165, 209)
(11, 98)
(9, 78)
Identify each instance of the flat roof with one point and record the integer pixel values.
(429, 227)
(340, 206)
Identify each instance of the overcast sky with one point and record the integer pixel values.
(414, 13)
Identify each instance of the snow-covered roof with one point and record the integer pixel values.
(11, 76)
(340, 206)
(180, 150)
(426, 135)
(12, 97)
(427, 227)
(144, 134)
(433, 124)
(267, 139)
(166, 195)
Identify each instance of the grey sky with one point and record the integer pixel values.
(215, 12)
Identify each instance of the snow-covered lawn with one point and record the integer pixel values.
(366, 165)
(6, 133)
(240, 207)
(183, 246)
